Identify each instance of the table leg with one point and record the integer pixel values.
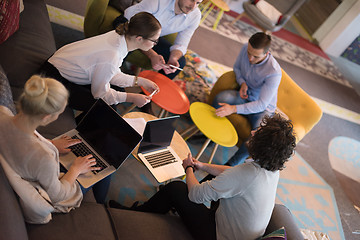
(206, 143)
(206, 6)
(190, 131)
(207, 13)
(219, 16)
(129, 109)
(237, 18)
(213, 152)
(162, 113)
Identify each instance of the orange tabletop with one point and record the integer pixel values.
(171, 97)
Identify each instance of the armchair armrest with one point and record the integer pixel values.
(227, 81)
(94, 17)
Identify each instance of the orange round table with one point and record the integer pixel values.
(171, 97)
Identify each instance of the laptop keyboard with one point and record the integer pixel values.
(160, 159)
(81, 150)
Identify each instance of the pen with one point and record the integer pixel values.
(170, 65)
(176, 67)
(152, 94)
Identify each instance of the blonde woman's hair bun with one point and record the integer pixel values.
(43, 96)
(36, 87)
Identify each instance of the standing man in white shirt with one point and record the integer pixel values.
(175, 16)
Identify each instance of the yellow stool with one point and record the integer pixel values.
(209, 6)
(216, 129)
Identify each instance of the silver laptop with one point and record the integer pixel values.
(155, 151)
(105, 135)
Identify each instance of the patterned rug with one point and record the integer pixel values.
(344, 156)
(280, 48)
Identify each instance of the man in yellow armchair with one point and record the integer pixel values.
(258, 75)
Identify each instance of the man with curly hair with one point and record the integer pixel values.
(246, 192)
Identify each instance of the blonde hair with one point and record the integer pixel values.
(42, 96)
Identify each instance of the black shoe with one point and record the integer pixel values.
(114, 204)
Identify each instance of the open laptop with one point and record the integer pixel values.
(155, 151)
(109, 138)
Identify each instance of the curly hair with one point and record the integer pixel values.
(273, 143)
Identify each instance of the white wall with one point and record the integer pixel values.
(340, 29)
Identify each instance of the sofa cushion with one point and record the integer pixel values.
(140, 225)
(6, 98)
(24, 52)
(90, 221)
(9, 18)
(12, 224)
(36, 208)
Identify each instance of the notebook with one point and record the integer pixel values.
(155, 150)
(108, 137)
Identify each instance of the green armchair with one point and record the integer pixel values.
(99, 17)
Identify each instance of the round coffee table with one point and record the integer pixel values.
(171, 97)
(216, 129)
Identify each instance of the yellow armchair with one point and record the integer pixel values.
(293, 101)
(99, 17)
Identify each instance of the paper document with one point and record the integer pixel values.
(137, 123)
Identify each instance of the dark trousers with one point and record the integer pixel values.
(199, 219)
(163, 49)
(80, 97)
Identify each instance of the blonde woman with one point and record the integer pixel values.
(36, 159)
(90, 68)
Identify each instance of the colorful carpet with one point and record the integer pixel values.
(344, 156)
(280, 48)
(310, 198)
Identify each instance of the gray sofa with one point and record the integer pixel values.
(21, 56)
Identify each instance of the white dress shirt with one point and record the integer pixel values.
(96, 61)
(164, 11)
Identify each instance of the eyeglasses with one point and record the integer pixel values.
(154, 41)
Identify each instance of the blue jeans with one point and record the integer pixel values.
(232, 97)
(100, 189)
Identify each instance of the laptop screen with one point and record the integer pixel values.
(108, 133)
(158, 134)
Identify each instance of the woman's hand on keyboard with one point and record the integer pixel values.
(64, 142)
(81, 165)
(84, 164)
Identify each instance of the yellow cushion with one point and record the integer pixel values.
(298, 106)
